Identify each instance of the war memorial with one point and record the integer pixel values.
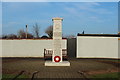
(57, 59)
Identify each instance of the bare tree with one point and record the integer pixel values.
(9, 36)
(4, 36)
(36, 30)
(30, 36)
(12, 36)
(118, 33)
(49, 31)
(22, 35)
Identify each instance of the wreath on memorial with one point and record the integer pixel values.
(57, 58)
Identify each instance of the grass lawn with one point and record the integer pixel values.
(11, 76)
(107, 75)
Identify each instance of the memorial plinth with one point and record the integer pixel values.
(63, 63)
(57, 59)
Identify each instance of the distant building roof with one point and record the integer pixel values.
(100, 35)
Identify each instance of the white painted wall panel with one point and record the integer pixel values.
(27, 48)
(97, 47)
(119, 48)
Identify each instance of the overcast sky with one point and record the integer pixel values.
(92, 17)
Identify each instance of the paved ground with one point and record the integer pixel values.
(14, 66)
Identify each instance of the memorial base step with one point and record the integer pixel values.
(63, 63)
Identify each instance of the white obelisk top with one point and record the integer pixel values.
(57, 18)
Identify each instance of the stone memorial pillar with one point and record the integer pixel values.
(57, 59)
(57, 38)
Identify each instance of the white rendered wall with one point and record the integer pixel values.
(27, 48)
(119, 48)
(97, 47)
